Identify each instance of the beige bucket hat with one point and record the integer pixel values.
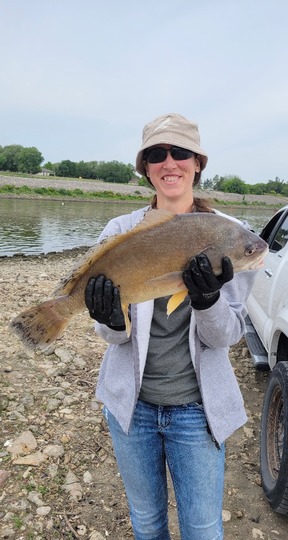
(172, 129)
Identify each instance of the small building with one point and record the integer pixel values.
(46, 172)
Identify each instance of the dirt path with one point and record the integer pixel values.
(63, 483)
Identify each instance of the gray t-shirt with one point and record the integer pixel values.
(169, 377)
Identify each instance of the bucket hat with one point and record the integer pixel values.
(171, 129)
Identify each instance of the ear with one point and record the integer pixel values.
(198, 165)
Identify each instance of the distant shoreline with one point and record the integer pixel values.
(126, 191)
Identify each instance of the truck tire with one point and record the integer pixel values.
(274, 439)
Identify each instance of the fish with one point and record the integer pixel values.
(145, 262)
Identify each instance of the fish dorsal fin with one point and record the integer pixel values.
(151, 219)
(68, 283)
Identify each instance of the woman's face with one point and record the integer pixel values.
(173, 179)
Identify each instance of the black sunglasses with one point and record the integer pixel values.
(159, 154)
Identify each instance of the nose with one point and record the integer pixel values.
(169, 162)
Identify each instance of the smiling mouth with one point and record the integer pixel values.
(170, 179)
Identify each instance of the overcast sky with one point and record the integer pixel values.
(80, 78)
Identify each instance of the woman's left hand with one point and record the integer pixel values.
(202, 284)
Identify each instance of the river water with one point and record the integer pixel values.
(32, 227)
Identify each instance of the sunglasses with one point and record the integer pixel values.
(159, 154)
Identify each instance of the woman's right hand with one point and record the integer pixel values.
(102, 299)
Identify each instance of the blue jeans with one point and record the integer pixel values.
(178, 436)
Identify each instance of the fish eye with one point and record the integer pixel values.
(249, 250)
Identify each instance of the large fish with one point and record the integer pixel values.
(145, 263)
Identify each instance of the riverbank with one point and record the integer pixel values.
(62, 481)
(128, 190)
(89, 188)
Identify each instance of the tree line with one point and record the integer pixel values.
(234, 184)
(17, 158)
(108, 171)
(20, 159)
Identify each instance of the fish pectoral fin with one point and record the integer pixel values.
(175, 301)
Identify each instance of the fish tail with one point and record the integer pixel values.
(39, 326)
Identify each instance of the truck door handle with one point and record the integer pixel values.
(268, 272)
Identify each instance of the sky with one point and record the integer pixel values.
(79, 79)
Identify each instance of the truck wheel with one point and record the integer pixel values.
(274, 439)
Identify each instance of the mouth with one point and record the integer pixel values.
(169, 179)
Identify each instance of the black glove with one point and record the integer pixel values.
(103, 302)
(202, 284)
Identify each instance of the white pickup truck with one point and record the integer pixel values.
(266, 335)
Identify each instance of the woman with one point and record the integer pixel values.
(170, 395)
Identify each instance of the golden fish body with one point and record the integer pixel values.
(145, 263)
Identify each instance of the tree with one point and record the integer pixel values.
(83, 170)
(93, 169)
(10, 157)
(49, 166)
(132, 170)
(29, 160)
(258, 189)
(114, 171)
(234, 184)
(208, 183)
(218, 182)
(2, 160)
(275, 185)
(66, 168)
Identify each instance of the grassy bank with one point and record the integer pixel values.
(114, 196)
(50, 192)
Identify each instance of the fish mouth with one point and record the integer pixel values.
(257, 263)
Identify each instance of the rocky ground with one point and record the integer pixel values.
(58, 477)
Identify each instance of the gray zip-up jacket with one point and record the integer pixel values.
(212, 332)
